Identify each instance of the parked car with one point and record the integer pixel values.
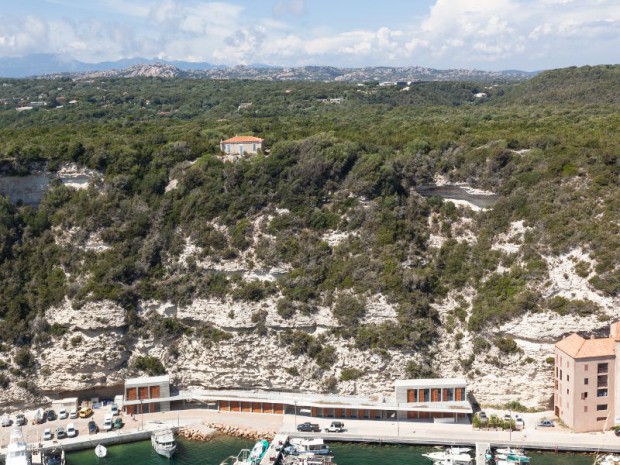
(73, 413)
(47, 434)
(307, 426)
(335, 427)
(85, 412)
(482, 416)
(118, 423)
(507, 417)
(6, 420)
(60, 433)
(115, 410)
(62, 414)
(545, 423)
(20, 419)
(71, 431)
(39, 416)
(92, 427)
(107, 422)
(51, 415)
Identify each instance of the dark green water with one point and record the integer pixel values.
(212, 453)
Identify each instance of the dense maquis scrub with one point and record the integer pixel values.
(549, 147)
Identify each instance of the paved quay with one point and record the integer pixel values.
(403, 432)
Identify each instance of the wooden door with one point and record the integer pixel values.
(131, 393)
(143, 392)
(412, 395)
(411, 415)
(278, 408)
(155, 392)
(434, 395)
(234, 406)
(224, 405)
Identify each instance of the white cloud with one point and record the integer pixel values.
(454, 33)
(292, 7)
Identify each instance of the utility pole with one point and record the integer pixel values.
(397, 422)
(295, 414)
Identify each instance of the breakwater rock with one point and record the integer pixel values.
(241, 432)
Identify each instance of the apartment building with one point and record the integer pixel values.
(585, 388)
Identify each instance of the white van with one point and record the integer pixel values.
(62, 413)
(107, 422)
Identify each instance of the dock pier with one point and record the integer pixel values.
(274, 452)
(481, 450)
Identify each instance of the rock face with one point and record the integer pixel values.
(92, 346)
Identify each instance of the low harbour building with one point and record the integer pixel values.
(147, 394)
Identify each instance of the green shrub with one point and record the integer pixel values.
(24, 358)
(350, 374)
(507, 345)
(151, 365)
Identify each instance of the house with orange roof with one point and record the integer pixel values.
(585, 388)
(239, 146)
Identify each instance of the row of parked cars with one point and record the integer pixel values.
(334, 427)
(41, 416)
(545, 423)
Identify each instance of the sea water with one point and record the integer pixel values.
(221, 447)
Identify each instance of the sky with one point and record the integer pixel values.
(482, 34)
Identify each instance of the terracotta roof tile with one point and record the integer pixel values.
(578, 347)
(239, 139)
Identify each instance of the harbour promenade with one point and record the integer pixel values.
(371, 431)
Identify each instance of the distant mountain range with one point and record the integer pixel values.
(47, 65)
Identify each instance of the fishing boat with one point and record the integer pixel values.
(101, 451)
(163, 442)
(54, 456)
(299, 446)
(455, 455)
(18, 452)
(258, 451)
(511, 456)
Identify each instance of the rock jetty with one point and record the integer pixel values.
(207, 431)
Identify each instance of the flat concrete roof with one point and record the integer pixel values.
(326, 401)
(147, 380)
(431, 383)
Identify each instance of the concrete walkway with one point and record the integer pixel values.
(357, 430)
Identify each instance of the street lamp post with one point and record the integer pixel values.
(295, 403)
(142, 413)
(397, 422)
(510, 424)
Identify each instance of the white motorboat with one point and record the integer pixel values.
(101, 451)
(18, 452)
(609, 459)
(163, 442)
(55, 456)
(452, 455)
(307, 446)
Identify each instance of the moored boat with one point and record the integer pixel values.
(18, 452)
(452, 455)
(163, 442)
(299, 446)
(54, 456)
(101, 451)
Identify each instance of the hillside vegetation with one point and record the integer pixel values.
(549, 147)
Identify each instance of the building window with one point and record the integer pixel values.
(603, 368)
(567, 377)
(557, 370)
(567, 364)
(254, 147)
(601, 418)
(601, 407)
(601, 393)
(560, 374)
(585, 409)
(585, 381)
(567, 391)
(585, 367)
(584, 395)
(601, 381)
